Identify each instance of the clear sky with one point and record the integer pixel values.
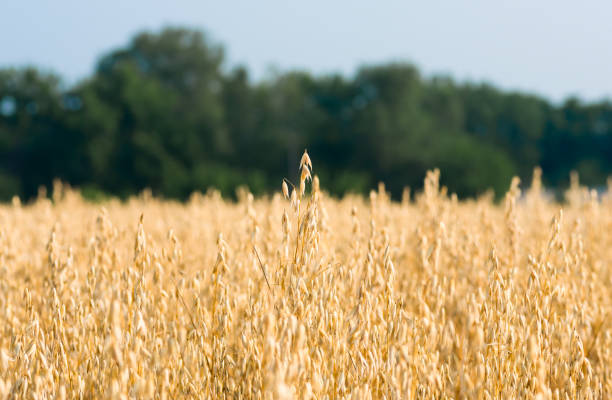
(554, 48)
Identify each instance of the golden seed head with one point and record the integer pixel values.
(305, 161)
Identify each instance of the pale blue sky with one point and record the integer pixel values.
(555, 48)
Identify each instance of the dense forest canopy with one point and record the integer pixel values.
(165, 113)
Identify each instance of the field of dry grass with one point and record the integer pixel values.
(307, 297)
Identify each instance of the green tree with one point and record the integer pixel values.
(165, 91)
(35, 146)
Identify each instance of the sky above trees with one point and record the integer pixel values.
(554, 48)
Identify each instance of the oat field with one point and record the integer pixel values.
(299, 295)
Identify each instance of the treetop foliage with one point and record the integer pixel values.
(165, 112)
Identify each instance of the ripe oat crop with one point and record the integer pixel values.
(300, 295)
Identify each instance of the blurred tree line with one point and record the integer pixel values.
(164, 113)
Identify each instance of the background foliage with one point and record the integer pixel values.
(166, 113)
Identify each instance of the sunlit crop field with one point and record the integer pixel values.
(304, 296)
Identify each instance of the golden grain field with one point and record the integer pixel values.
(308, 297)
